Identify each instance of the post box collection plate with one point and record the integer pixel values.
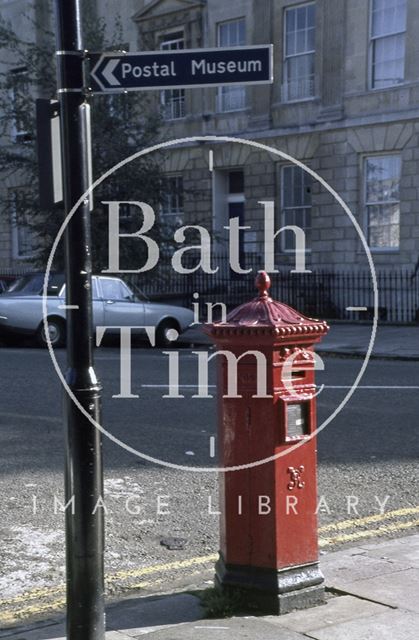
(297, 420)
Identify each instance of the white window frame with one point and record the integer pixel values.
(222, 92)
(174, 108)
(286, 58)
(373, 39)
(283, 222)
(16, 230)
(367, 204)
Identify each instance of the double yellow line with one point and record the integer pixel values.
(339, 533)
(11, 614)
(341, 538)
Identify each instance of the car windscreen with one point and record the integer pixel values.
(33, 284)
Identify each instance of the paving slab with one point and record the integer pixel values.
(36, 632)
(404, 551)
(393, 625)
(127, 619)
(341, 567)
(245, 628)
(400, 589)
(138, 616)
(335, 611)
(57, 632)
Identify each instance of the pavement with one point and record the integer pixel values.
(372, 594)
(391, 341)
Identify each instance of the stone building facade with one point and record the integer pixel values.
(344, 101)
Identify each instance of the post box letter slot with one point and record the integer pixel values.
(297, 420)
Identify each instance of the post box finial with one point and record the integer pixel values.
(263, 284)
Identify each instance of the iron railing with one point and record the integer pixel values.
(340, 295)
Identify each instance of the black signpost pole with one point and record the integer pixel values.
(84, 474)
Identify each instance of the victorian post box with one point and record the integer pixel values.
(267, 447)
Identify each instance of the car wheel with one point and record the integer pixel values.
(164, 332)
(56, 333)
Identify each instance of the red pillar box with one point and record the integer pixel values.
(268, 547)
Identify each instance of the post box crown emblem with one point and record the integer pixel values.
(265, 316)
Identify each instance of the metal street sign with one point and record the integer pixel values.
(116, 72)
(49, 153)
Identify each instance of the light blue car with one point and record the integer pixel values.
(114, 305)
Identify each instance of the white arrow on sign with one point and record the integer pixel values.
(108, 73)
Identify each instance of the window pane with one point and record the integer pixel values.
(24, 237)
(112, 290)
(173, 41)
(231, 98)
(383, 178)
(289, 236)
(300, 77)
(291, 20)
(388, 16)
(299, 28)
(296, 187)
(242, 33)
(35, 285)
(288, 217)
(383, 232)
(301, 17)
(382, 174)
(311, 33)
(173, 100)
(386, 214)
(300, 41)
(232, 34)
(388, 61)
(298, 190)
(25, 240)
(290, 43)
(172, 204)
(287, 186)
(299, 218)
(18, 83)
(311, 15)
(222, 35)
(296, 199)
(299, 52)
